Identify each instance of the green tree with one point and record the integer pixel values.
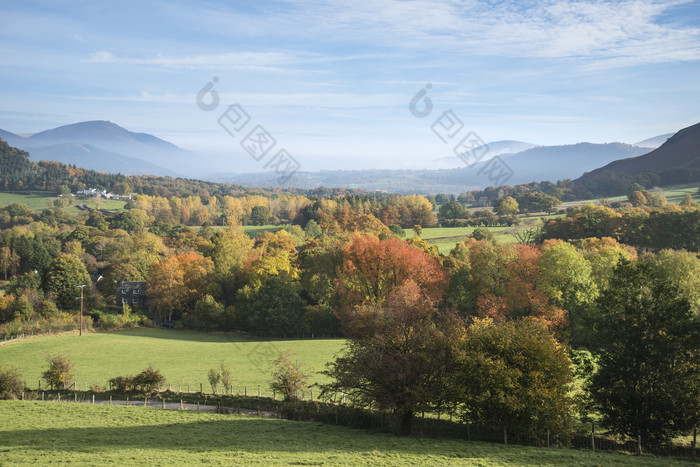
(568, 282)
(289, 377)
(59, 373)
(12, 382)
(9, 261)
(260, 215)
(229, 248)
(64, 276)
(451, 210)
(507, 207)
(275, 309)
(312, 229)
(512, 374)
(648, 380)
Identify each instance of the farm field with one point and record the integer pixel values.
(445, 238)
(183, 357)
(39, 202)
(39, 433)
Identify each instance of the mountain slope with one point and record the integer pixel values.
(11, 138)
(682, 150)
(495, 148)
(111, 137)
(90, 157)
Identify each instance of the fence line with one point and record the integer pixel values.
(423, 426)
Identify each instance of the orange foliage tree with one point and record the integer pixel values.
(373, 268)
(177, 282)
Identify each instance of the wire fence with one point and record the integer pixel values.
(338, 411)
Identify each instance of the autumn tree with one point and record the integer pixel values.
(176, 283)
(229, 249)
(512, 374)
(289, 377)
(373, 268)
(395, 356)
(507, 207)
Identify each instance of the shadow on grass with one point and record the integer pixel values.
(102, 429)
(182, 335)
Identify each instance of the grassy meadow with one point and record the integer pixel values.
(183, 357)
(445, 238)
(41, 201)
(40, 433)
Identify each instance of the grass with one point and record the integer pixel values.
(39, 433)
(41, 201)
(445, 238)
(37, 202)
(183, 357)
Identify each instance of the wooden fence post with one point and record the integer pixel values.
(548, 443)
(245, 391)
(42, 395)
(163, 403)
(505, 436)
(181, 406)
(93, 398)
(201, 389)
(127, 401)
(59, 397)
(695, 440)
(259, 393)
(593, 436)
(110, 400)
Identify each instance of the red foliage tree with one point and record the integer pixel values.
(373, 268)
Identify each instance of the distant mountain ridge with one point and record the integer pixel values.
(532, 165)
(103, 146)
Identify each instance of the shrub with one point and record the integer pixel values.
(226, 378)
(146, 382)
(60, 371)
(149, 380)
(11, 383)
(122, 383)
(288, 378)
(214, 378)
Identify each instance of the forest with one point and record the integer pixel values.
(607, 296)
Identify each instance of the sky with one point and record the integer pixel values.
(332, 81)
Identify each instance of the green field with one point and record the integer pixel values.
(36, 202)
(40, 433)
(445, 238)
(42, 201)
(183, 357)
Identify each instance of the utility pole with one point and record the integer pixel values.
(81, 287)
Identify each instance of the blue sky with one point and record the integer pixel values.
(332, 80)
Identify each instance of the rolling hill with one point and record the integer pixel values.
(681, 151)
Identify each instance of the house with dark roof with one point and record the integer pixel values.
(131, 293)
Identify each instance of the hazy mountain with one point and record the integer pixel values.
(111, 137)
(12, 139)
(533, 165)
(682, 150)
(106, 147)
(654, 142)
(90, 157)
(568, 161)
(493, 149)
